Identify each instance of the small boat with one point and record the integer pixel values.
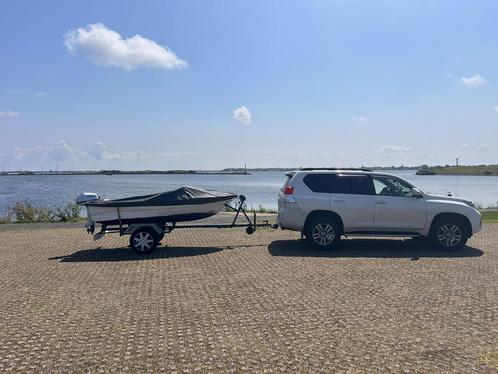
(183, 204)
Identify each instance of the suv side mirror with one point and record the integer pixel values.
(417, 194)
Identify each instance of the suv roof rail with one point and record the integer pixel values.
(356, 169)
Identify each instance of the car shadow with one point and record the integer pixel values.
(127, 254)
(369, 248)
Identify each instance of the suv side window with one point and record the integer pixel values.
(390, 186)
(360, 184)
(339, 183)
(319, 182)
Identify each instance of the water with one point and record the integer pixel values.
(260, 188)
(482, 190)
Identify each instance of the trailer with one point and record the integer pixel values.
(147, 233)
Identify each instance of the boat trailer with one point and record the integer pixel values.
(147, 233)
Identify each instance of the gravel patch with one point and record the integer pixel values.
(213, 301)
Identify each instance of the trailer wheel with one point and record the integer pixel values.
(144, 240)
(250, 230)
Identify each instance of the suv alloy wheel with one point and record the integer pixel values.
(323, 233)
(449, 233)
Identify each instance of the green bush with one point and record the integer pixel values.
(26, 212)
(67, 213)
(490, 216)
(262, 209)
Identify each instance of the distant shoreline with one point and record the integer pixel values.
(470, 170)
(122, 172)
(227, 171)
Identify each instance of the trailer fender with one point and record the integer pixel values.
(133, 227)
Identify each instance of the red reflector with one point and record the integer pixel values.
(289, 190)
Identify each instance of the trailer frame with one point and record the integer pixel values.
(156, 228)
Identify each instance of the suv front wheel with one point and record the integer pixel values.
(323, 233)
(449, 233)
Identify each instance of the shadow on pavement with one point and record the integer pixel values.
(127, 254)
(369, 248)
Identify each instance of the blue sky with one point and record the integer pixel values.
(268, 83)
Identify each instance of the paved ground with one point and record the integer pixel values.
(223, 301)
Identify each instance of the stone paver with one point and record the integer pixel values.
(222, 301)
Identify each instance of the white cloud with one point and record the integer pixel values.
(474, 81)
(19, 92)
(242, 115)
(495, 109)
(166, 155)
(107, 47)
(95, 156)
(99, 152)
(484, 148)
(359, 119)
(395, 149)
(465, 146)
(60, 151)
(8, 113)
(15, 91)
(449, 75)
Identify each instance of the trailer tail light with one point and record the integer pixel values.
(289, 190)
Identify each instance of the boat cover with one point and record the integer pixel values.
(181, 196)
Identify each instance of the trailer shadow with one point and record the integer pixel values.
(369, 248)
(127, 254)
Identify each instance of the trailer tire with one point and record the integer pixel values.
(144, 240)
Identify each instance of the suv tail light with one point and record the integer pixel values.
(289, 190)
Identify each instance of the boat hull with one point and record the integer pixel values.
(165, 213)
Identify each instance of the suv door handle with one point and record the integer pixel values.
(338, 201)
(381, 202)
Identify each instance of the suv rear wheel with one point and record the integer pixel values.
(449, 233)
(323, 233)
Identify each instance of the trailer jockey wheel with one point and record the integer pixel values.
(144, 240)
(250, 230)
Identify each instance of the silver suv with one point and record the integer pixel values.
(324, 204)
